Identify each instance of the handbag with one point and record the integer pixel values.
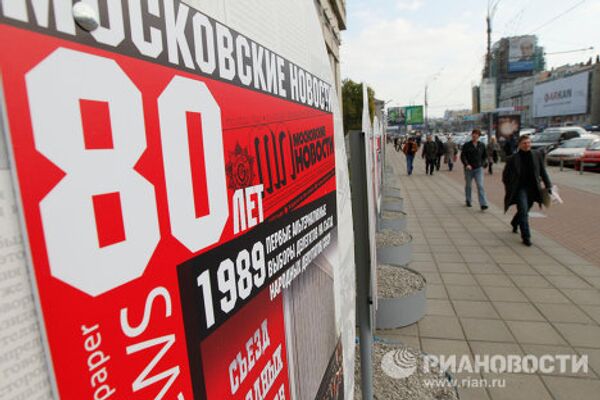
(546, 198)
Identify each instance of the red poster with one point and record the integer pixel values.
(172, 186)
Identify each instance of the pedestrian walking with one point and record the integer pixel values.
(397, 144)
(510, 145)
(450, 152)
(493, 148)
(429, 153)
(440, 152)
(474, 159)
(521, 177)
(418, 139)
(410, 149)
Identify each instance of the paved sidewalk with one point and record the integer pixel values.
(489, 294)
(575, 224)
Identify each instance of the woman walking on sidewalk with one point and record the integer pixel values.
(521, 177)
(450, 151)
(474, 158)
(430, 151)
(493, 148)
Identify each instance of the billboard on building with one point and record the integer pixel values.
(487, 95)
(183, 196)
(565, 96)
(413, 115)
(521, 53)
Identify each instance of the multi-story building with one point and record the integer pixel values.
(333, 20)
(569, 94)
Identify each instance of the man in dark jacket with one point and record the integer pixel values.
(440, 152)
(410, 149)
(474, 159)
(521, 177)
(429, 153)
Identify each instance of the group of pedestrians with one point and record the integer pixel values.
(522, 175)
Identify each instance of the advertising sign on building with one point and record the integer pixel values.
(565, 96)
(521, 53)
(414, 115)
(487, 94)
(184, 199)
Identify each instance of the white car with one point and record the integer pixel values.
(527, 131)
(571, 150)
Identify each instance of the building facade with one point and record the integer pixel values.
(332, 14)
(568, 95)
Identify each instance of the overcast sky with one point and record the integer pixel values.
(397, 46)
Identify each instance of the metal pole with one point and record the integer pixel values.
(362, 257)
(489, 56)
(562, 162)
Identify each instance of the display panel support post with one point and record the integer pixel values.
(362, 258)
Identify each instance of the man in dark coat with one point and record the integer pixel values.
(474, 159)
(521, 177)
(440, 152)
(429, 153)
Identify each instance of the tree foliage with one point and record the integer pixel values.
(352, 101)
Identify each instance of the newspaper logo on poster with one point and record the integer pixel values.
(178, 189)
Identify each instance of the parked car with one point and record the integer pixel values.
(527, 131)
(591, 158)
(550, 138)
(571, 150)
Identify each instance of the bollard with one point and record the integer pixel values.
(561, 164)
(581, 166)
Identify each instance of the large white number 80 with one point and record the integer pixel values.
(55, 87)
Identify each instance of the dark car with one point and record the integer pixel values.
(550, 138)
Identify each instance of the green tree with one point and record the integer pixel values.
(352, 104)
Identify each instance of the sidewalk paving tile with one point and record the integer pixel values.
(563, 313)
(486, 329)
(592, 311)
(440, 327)
(465, 293)
(520, 387)
(504, 294)
(475, 309)
(436, 292)
(494, 348)
(546, 295)
(568, 282)
(535, 332)
(572, 388)
(540, 350)
(579, 334)
(439, 307)
(590, 297)
(445, 347)
(454, 267)
(494, 280)
(458, 279)
(518, 311)
(593, 358)
(528, 281)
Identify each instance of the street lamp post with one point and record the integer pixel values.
(492, 6)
